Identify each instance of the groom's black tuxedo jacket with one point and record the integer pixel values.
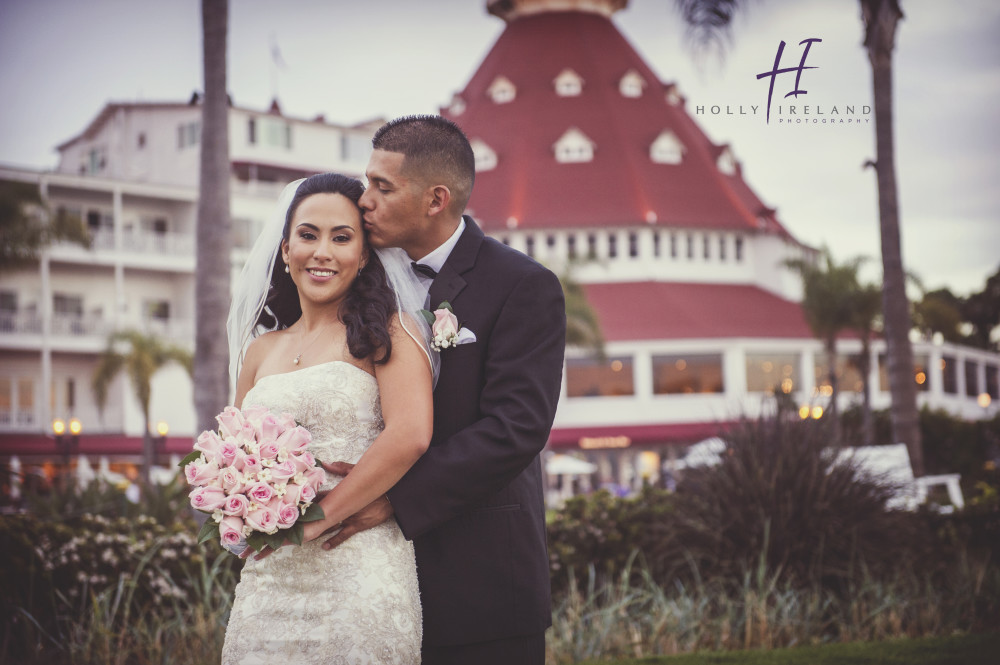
(473, 504)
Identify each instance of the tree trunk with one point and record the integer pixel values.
(865, 367)
(881, 18)
(211, 365)
(831, 353)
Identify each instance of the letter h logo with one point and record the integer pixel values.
(798, 72)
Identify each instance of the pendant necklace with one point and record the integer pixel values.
(299, 357)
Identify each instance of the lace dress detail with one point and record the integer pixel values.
(357, 603)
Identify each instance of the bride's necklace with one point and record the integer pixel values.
(307, 347)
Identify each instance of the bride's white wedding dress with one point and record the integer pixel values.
(357, 603)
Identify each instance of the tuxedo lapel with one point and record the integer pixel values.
(449, 281)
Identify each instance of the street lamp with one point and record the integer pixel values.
(67, 444)
(160, 442)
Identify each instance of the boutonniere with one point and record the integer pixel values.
(445, 329)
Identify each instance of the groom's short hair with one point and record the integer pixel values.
(436, 151)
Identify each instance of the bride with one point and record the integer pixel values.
(348, 361)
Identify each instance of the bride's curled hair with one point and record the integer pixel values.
(370, 303)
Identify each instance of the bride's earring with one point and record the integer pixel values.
(286, 268)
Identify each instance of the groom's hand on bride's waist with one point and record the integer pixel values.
(371, 515)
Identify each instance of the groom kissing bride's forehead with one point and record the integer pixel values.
(473, 503)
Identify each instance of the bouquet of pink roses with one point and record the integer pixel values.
(255, 478)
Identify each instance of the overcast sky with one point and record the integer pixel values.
(61, 61)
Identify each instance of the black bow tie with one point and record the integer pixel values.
(421, 269)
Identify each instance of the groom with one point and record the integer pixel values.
(472, 505)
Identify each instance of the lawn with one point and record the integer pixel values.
(960, 650)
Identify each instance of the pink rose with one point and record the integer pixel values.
(293, 494)
(295, 440)
(248, 463)
(307, 494)
(245, 436)
(269, 429)
(231, 531)
(230, 479)
(269, 450)
(207, 499)
(236, 504)
(304, 461)
(230, 422)
(287, 515)
(315, 477)
(254, 414)
(283, 471)
(260, 492)
(201, 474)
(227, 452)
(209, 443)
(263, 519)
(445, 323)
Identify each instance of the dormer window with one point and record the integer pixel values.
(667, 148)
(574, 147)
(726, 161)
(457, 106)
(568, 83)
(486, 157)
(673, 96)
(632, 84)
(501, 91)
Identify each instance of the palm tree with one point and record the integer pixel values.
(829, 304)
(27, 225)
(211, 373)
(140, 356)
(707, 20)
(583, 329)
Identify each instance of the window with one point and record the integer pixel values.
(690, 245)
(612, 246)
(631, 84)
(722, 248)
(502, 90)
(739, 249)
(949, 374)
(571, 246)
(847, 369)
(687, 374)
(587, 377)
(8, 302)
(188, 134)
(568, 83)
(96, 161)
(6, 401)
(666, 149)
(673, 245)
(158, 310)
(574, 147)
(25, 401)
(633, 245)
(727, 162)
(993, 381)
(706, 247)
(70, 395)
(773, 372)
(656, 244)
(140, 140)
(591, 246)
(971, 379)
(550, 242)
(485, 156)
(529, 246)
(67, 305)
(921, 363)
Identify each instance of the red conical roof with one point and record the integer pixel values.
(621, 185)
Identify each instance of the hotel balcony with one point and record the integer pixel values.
(148, 250)
(83, 334)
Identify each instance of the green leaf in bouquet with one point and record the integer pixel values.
(257, 540)
(276, 539)
(295, 533)
(209, 530)
(190, 457)
(446, 305)
(428, 316)
(313, 513)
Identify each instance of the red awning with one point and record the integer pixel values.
(89, 444)
(625, 436)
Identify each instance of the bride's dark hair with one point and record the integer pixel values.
(370, 303)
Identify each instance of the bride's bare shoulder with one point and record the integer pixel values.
(261, 347)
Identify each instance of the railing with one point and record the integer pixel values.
(80, 326)
(14, 323)
(16, 418)
(175, 244)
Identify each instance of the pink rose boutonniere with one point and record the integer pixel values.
(445, 329)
